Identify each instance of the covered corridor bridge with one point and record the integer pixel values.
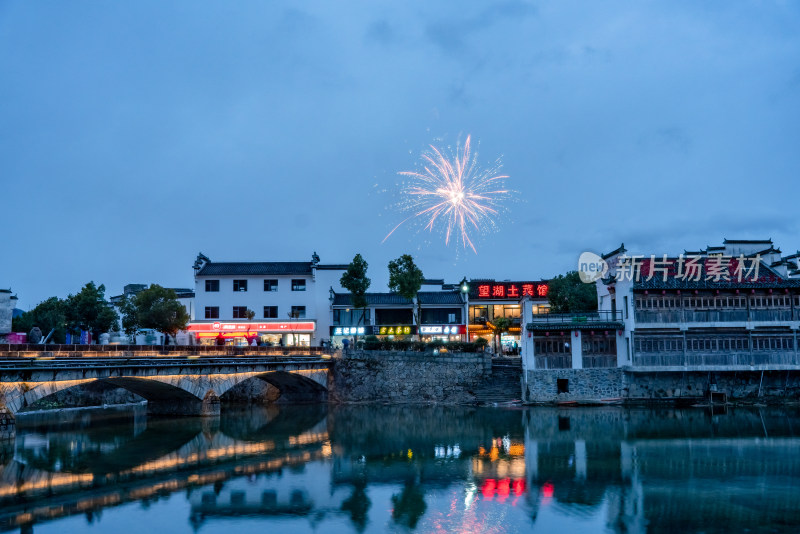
(176, 380)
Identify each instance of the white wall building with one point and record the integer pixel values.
(290, 301)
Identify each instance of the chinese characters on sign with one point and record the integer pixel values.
(348, 331)
(511, 290)
(394, 330)
(718, 268)
(444, 329)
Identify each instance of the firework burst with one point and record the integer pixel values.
(452, 193)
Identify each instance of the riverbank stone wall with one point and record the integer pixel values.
(563, 385)
(407, 377)
(630, 385)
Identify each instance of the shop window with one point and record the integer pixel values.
(212, 286)
(240, 312)
(298, 312)
(298, 285)
(270, 285)
(240, 285)
(270, 312)
(212, 312)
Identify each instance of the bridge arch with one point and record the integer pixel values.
(173, 394)
(294, 387)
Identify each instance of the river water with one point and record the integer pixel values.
(400, 469)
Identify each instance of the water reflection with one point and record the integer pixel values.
(377, 468)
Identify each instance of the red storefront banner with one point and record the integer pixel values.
(276, 328)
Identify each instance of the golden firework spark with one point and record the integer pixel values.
(453, 193)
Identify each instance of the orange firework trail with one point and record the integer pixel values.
(452, 193)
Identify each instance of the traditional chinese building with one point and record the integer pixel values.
(442, 310)
(491, 299)
(710, 313)
(277, 302)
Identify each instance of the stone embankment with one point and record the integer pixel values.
(408, 377)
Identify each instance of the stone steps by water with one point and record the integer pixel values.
(504, 384)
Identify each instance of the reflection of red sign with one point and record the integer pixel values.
(511, 290)
(502, 488)
(307, 326)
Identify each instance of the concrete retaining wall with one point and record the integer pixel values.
(407, 377)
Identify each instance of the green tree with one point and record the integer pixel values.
(406, 279)
(501, 326)
(567, 294)
(130, 317)
(89, 310)
(158, 308)
(355, 280)
(48, 315)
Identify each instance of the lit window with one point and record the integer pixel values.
(240, 285)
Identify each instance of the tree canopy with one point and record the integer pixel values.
(405, 277)
(355, 280)
(47, 315)
(155, 307)
(89, 310)
(567, 294)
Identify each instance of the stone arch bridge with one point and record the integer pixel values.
(175, 384)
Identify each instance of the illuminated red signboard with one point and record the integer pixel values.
(243, 328)
(509, 290)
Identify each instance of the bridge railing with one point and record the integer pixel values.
(149, 351)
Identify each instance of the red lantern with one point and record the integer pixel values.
(619, 332)
(576, 333)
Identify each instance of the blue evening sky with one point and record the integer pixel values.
(135, 134)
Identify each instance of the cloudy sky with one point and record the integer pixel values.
(135, 134)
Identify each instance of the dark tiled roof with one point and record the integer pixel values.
(767, 278)
(617, 250)
(746, 241)
(255, 268)
(439, 297)
(332, 267)
(393, 299)
(373, 299)
(433, 282)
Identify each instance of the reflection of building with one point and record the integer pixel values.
(442, 309)
(288, 301)
(490, 299)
